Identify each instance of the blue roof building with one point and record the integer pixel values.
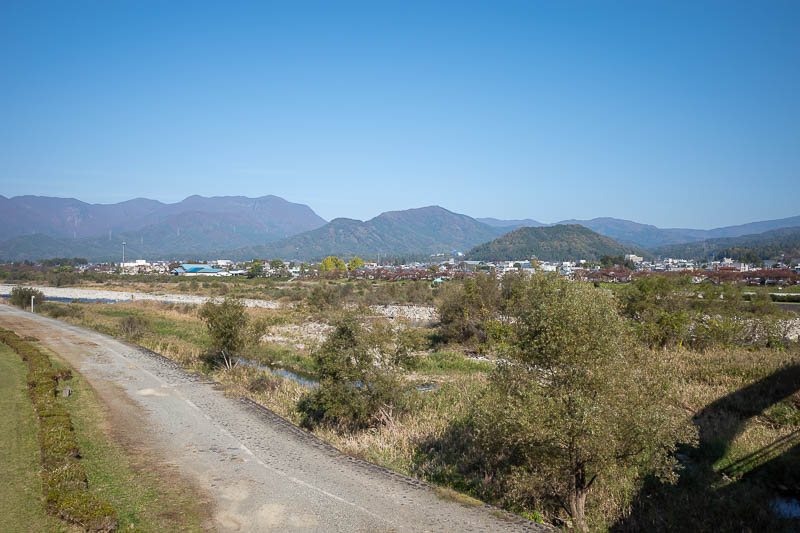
(195, 270)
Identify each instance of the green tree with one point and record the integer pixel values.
(577, 400)
(255, 270)
(332, 263)
(355, 263)
(359, 381)
(277, 264)
(227, 323)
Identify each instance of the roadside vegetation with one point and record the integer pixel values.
(21, 505)
(64, 481)
(64, 472)
(659, 405)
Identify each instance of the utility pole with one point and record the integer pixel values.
(123, 254)
(32, 298)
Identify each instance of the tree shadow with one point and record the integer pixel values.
(714, 493)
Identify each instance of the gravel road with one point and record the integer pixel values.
(260, 472)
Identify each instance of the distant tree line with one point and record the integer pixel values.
(65, 261)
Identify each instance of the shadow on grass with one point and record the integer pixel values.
(715, 493)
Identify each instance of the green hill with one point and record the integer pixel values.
(569, 242)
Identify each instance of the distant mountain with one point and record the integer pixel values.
(71, 218)
(753, 228)
(424, 230)
(648, 236)
(569, 242)
(767, 245)
(634, 233)
(68, 217)
(151, 229)
(512, 223)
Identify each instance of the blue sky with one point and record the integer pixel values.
(671, 113)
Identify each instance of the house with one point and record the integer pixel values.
(190, 269)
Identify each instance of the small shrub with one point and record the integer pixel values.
(227, 325)
(21, 297)
(61, 311)
(263, 383)
(133, 327)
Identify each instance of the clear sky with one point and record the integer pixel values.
(671, 113)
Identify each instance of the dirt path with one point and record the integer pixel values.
(260, 472)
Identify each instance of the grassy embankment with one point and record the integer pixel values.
(137, 492)
(744, 401)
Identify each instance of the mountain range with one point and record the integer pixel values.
(238, 227)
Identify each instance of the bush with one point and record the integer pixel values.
(359, 382)
(21, 297)
(227, 325)
(322, 298)
(61, 310)
(263, 383)
(133, 327)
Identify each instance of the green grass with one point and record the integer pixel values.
(281, 357)
(21, 503)
(187, 330)
(451, 362)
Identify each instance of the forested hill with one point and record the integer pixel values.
(567, 242)
(749, 248)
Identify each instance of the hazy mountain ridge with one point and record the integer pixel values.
(68, 217)
(71, 218)
(511, 223)
(648, 236)
(190, 228)
(766, 245)
(561, 242)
